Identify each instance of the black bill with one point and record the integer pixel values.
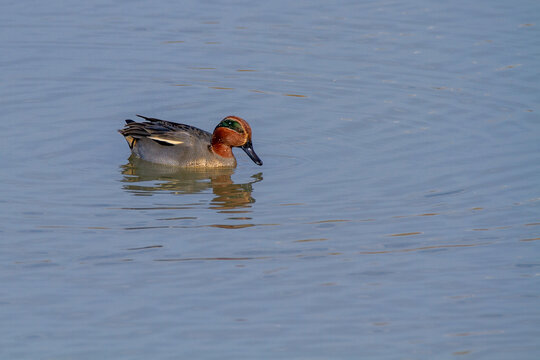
(248, 148)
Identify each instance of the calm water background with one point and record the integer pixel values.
(397, 214)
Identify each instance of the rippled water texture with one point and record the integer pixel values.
(396, 215)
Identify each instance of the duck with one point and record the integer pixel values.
(169, 143)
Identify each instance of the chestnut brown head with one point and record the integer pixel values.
(234, 131)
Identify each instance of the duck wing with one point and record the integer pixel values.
(166, 133)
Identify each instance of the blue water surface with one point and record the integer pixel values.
(396, 215)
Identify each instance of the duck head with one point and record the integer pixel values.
(233, 131)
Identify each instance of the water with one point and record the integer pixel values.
(396, 215)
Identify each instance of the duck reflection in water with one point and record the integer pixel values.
(143, 178)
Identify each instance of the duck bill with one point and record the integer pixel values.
(248, 148)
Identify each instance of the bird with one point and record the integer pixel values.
(169, 143)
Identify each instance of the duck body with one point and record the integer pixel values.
(174, 144)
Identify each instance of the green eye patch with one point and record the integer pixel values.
(231, 124)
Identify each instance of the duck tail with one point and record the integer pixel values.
(148, 118)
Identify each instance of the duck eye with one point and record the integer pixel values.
(233, 125)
